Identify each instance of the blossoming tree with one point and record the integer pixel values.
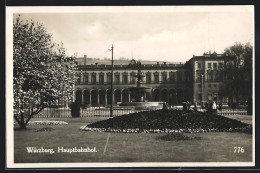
(42, 73)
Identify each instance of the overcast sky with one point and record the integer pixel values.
(170, 35)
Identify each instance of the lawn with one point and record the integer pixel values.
(243, 118)
(126, 147)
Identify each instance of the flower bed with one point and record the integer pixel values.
(47, 123)
(168, 121)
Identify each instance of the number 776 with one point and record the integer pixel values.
(239, 150)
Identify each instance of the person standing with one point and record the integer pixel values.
(184, 106)
(214, 107)
(195, 106)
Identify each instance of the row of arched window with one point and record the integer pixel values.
(103, 97)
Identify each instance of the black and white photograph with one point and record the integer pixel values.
(130, 86)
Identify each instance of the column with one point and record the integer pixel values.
(121, 96)
(82, 97)
(168, 76)
(97, 78)
(105, 77)
(113, 95)
(152, 77)
(144, 78)
(89, 78)
(121, 76)
(129, 96)
(90, 97)
(81, 77)
(160, 76)
(128, 78)
(105, 98)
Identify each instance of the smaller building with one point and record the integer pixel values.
(208, 77)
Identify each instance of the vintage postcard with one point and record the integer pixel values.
(130, 86)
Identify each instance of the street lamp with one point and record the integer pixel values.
(112, 93)
(202, 89)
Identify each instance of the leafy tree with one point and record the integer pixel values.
(238, 73)
(42, 74)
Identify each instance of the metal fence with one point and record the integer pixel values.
(91, 112)
(117, 111)
(229, 111)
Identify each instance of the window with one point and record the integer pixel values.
(93, 78)
(132, 78)
(101, 78)
(148, 78)
(85, 78)
(215, 73)
(198, 75)
(210, 75)
(209, 85)
(187, 76)
(199, 65)
(117, 78)
(209, 65)
(78, 78)
(214, 66)
(164, 77)
(156, 77)
(220, 75)
(109, 78)
(172, 77)
(220, 65)
(179, 76)
(125, 80)
(215, 85)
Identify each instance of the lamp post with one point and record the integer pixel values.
(112, 93)
(202, 89)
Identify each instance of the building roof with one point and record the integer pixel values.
(213, 56)
(91, 61)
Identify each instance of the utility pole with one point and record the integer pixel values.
(112, 74)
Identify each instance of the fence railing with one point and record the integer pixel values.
(91, 112)
(229, 111)
(118, 111)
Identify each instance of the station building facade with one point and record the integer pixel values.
(200, 79)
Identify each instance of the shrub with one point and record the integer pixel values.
(177, 137)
